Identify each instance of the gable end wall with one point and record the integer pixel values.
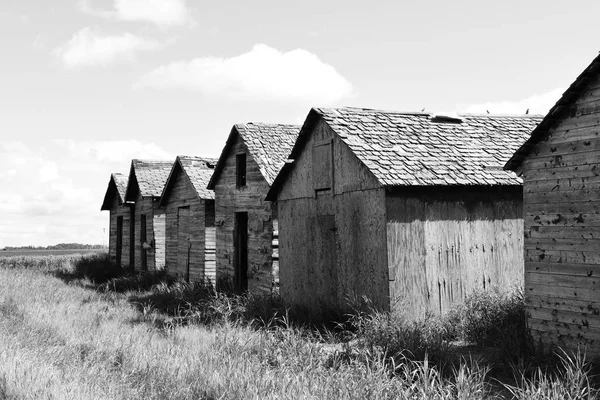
(332, 243)
(562, 228)
(251, 199)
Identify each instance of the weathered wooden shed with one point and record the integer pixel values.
(190, 219)
(410, 210)
(560, 167)
(120, 215)
(147, 178)
(246, 223)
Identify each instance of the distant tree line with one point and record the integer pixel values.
(60, 246)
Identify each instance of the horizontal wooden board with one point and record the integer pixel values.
(585, 206)
(583, 294)
(563, 184)
(577, 320)
(565, 256)
(574, 269)
(534, 232)
(571, 305)
(569, 244)
(563, 280)
(576, 145)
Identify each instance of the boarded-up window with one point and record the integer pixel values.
(240, 170)
(322, 165)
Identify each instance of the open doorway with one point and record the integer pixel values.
(240, 259)
(119, 240)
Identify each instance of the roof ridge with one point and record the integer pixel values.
(500, 115)
(268, 124)
(139, 160)
(203, 158)
(366, 109)
(426, 113)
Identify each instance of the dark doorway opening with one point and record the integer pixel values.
(143, 239)
(132, 237)
(240, 259)
(119, 240)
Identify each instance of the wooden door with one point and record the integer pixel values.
(240, 259)
(183, 242)
(143, 238)
(325, 258)
(119, 240)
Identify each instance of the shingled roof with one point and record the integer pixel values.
(117, 186)
(562, 108)
(148, 177)
(268, 144)
(199, 170)
(421, 149)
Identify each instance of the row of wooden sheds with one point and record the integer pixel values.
(411, 210)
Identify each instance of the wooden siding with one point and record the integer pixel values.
(115, 212)
(562, 228)
(230, 199)
(155, 234)
(332, 246)
(440, 250)
(186, 234)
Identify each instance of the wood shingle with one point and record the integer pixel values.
(420, 149)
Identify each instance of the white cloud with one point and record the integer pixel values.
(536, 104)
(89, 47)
(262, 73)
(49, 172)
(56, 188)
(115, 151)
(159, 12)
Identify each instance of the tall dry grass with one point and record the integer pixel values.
(64, 334)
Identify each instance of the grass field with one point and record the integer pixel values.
(67, 332)
(42, 253)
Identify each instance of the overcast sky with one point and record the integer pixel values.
(87, 85)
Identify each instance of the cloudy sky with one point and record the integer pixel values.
(87, 85)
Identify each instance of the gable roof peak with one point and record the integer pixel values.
(268, 144)
(117, 186)
(148, 177)
(558, 111)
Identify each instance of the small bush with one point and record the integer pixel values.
(96, 267)
(127, 281)
(571, 381)
(398, 336)
(492, 318)
(199, 302)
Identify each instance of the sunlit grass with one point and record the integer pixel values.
(66, 335)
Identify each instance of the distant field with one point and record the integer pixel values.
(27, 252)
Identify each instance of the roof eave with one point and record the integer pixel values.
(222, 158)
(555, 113)
(310, 121)
(170, 181)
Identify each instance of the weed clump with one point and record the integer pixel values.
(492, 318)
(399, 336)
(571, 380)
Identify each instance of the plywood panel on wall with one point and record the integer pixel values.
(185, 225)
(440, 251)
(309, 245)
